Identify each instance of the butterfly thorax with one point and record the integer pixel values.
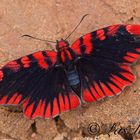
(65, 53)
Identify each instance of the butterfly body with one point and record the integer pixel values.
(67, 59)
(95, 66)
(73, 77)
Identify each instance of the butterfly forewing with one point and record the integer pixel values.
(119, 43)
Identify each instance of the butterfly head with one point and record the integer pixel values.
(62, 45)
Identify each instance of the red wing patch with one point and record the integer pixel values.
(83, 45)
(13, 65)
(87, 43)
(13, 100)
(131, 57)
(101, 34)
(76, 47)
(1, 75)
(25, 61)
(112, 30)
(41, 58)
(3, 100)
(133, 29)
(28, 108)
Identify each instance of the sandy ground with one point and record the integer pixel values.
(54, 19)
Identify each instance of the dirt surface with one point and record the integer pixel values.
(54, 19)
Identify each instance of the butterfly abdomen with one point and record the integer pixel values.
(73, 77)
(68, 57)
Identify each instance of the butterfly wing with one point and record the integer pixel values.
(38, 84)
(105, 56)
(119, 43)
(102, 77)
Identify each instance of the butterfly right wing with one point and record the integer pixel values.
(38, 84)
(104, 60)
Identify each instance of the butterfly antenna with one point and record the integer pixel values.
(26, 35)
(76, 26)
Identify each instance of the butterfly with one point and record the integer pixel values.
(95, 66)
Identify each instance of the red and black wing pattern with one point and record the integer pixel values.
(35, 82)
(105, 56)
(102, 77)
(119, 43)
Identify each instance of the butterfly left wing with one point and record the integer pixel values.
(38, 84)
(104, 59)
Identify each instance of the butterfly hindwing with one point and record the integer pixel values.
(35, 82)
(104, 58)
(101, 77)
